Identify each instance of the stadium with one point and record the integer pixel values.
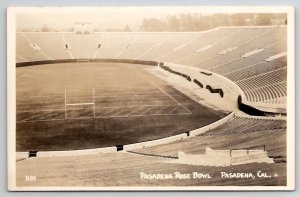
(94, 108)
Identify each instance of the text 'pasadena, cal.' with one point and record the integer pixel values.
(198, 175)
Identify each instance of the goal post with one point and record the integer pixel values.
(80, 104)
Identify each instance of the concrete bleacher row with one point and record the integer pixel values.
(237, 126)
(113, 170)
(265, 86)
(249, 131)
(275, 93)
(236, 53)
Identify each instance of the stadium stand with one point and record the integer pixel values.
(255, 59)
(113, 169)
(264, 131)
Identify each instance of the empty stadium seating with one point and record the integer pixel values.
(240, 54)
(249, 131)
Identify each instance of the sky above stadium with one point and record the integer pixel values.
(106, 17)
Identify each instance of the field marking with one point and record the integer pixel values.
(66, 115)
(183, 113)
(23, 74)
(22, 116)
(164, 92)
(172, 110)
(144, 112)
(134, 99)
(114, 109)
(31, 117)
(61, 109)
(72, 104)
(43, 117)
(55, 119)
(119, 112)
(138, 109)
(143, 109)
(28, 116)
(104, 117)
(94, 106)
(88, 113)
(22, 111)
(159, 111)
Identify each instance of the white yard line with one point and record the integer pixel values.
(46, 116)
(80, 104)
(34, 116)
(164, 92)
(62, 109)
(22, 116)
(144, 112)
(106, 117)
(139, 108)
(114, 109)
(165, 114)
(119, 112)
(172, 110)
(42, 120)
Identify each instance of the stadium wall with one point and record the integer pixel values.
(155, 142)
(34, 63)
(212, 126)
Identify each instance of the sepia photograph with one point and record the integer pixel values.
(151, 98)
